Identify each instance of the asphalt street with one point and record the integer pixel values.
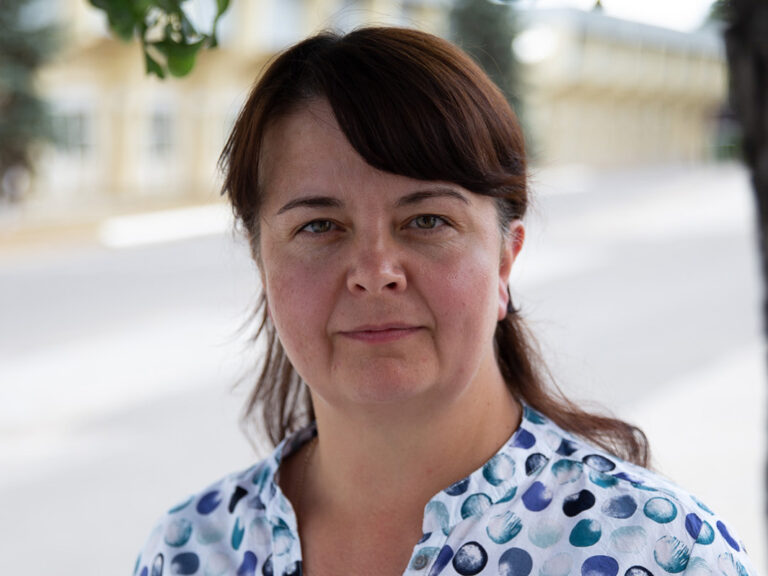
(119, 355)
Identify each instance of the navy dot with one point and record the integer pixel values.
(257, 503)
(725, 534)
(470, 559)
(266, 569)
(567, 447)
(424, 537)
(600, 566)
(523, 439)
(693, 525)
(185, 563)
(577, 503)
(598, 462)
(537, 497)
(638, 571)
(515, 562)
(209, 502)
(620, 506)
(443, 557)
(144, 571)
(534, 463)
(457, 488)
(237, 495)
(248, 566)
(157, 565)
(293, 569)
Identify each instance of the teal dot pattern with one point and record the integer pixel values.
(546, 504)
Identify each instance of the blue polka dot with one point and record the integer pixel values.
(157, 565)
(515, 562)
(208, 503)
(475, 505)
(498, 469)
(703, 506)
(531, 414)
(575, 504)
(567, 471)
(598, 462)
(293, 569)
(693, 525)
(706, 534)
(423, 557)
(237, 534)
(523, 439)
(671, 554)
(457, 488)
(534, 463)
(638, 571)
(508, 495)
(424, 538)
(602, 479)
(600, 566)
(248, 566)
(537, 497)
(445, 555)
(266, 568)
(620, 507)
(586, 533)
(727, 536)
(185, 563)
(503, 527)
(178, 532)
(567, 447)
(660, 509)
(179, 507)
(237, 495)
(144, 571)
(470, 559)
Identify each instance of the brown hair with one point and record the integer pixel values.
(415, 105)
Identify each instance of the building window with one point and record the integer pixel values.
(161, 134)
(73, 132)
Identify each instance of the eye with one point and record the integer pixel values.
(428, 222)
(318, 227)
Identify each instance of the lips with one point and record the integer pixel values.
(381, 333)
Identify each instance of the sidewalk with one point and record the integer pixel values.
(38, 226)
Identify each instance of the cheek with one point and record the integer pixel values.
(299, 304)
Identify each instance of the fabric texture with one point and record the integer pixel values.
(546, 504)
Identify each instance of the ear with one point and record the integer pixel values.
(512, 243)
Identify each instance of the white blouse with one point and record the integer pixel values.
(546, 504)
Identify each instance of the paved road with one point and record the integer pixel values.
(117, 358)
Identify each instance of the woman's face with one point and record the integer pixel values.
(383, 289)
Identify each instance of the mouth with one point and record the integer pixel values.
(381, 333)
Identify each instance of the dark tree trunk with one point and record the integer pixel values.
(746, 40)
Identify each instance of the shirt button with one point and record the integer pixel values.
(420, 562)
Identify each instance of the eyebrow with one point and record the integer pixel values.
(311, 202)
(422, 195)
(407, 200)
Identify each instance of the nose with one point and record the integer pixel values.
(375, 266)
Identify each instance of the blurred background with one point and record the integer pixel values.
(124, 290)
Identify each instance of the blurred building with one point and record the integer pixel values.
(596, 90)
(125, 135)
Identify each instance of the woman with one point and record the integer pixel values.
(380, 178)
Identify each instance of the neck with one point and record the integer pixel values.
(397, 458)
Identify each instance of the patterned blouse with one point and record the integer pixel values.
(547, 504)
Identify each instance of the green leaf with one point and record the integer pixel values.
(153, 66)
(180, 57)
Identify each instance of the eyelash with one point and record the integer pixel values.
(439, 222)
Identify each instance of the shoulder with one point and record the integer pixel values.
(614, 509)
(206, 530)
